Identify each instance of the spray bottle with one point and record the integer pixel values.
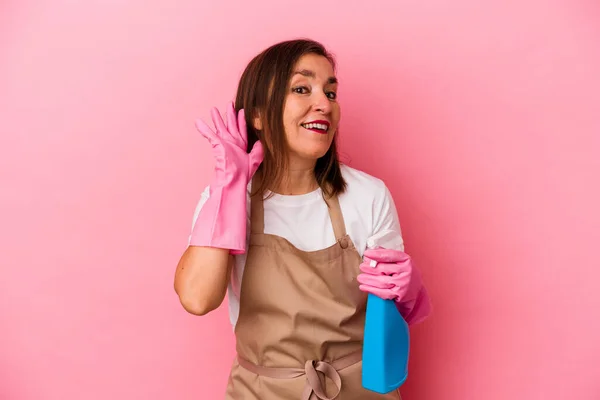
(386, 337)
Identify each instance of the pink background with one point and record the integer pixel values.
(482, 117)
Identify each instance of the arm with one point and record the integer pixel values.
(202, 273)
(201, 278)
(219, 228)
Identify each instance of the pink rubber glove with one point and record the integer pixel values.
(395, 278)
(222, 220)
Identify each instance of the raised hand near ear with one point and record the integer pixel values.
(222, 220)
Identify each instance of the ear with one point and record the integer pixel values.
(257, 122)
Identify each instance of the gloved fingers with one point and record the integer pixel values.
(242, 128)
(381, 281)
(386, 255)
(219, 124)
(232, 126)
(384, 268)
(206, 131)
(382, 293)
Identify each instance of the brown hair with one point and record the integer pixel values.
(262, 92)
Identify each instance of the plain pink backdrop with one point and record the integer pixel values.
(482, 118)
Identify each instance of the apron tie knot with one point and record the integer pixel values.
(313, 390)
(312, 369)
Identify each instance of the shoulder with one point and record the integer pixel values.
(371, 200)
(362, 185)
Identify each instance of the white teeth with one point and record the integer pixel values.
(322, 127)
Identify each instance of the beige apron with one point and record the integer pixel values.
(300, 327)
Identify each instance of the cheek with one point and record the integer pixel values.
(293, 111)
(336, 113)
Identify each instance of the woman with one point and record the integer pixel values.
(283, 228)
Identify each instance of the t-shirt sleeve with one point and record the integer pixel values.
(203, 198)
(385, 213)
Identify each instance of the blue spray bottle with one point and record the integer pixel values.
(386, 338)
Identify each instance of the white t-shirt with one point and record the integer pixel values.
(367, 207)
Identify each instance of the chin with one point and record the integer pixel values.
(312, 151)
(315, 155)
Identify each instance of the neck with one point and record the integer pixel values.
(300, 179)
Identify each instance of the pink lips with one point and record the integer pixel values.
(321, 122)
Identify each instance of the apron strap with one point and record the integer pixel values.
(335, 214)
(257, 215)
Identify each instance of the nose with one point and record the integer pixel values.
(322, 103)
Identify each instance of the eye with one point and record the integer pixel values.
(331, 95)
(300, 90)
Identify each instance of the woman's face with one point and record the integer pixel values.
(311, 112)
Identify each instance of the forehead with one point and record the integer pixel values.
(319, 65)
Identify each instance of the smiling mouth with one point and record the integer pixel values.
(318, 126)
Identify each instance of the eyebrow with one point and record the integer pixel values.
(310, 74)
